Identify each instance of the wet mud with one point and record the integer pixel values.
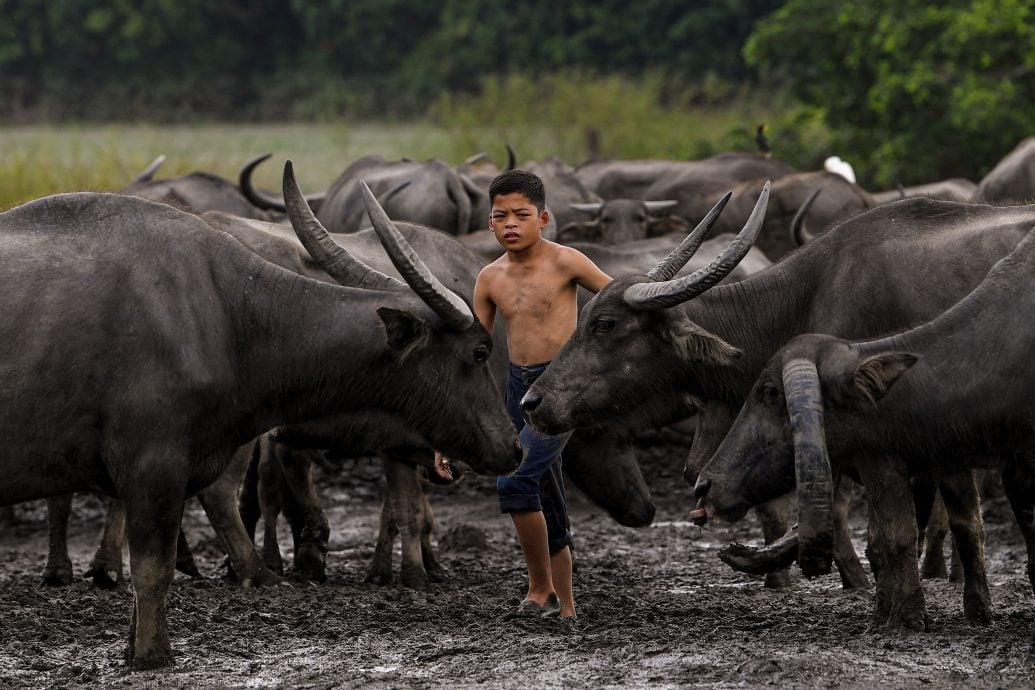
(657, 608)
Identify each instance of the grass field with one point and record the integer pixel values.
(41, 160)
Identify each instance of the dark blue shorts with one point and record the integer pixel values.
(536, 485)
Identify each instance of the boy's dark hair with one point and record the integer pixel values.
(521, 181)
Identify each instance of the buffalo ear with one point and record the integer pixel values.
(875, 375)
(694, 344)
(405, 331)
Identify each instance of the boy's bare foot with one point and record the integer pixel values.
(533, 609)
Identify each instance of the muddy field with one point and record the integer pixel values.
(656, 609)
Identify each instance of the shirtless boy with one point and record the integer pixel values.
(533, 288)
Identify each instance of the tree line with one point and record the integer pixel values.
(911, 91)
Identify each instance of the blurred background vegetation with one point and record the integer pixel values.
(907, 91)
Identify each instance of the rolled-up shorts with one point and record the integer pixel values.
(536, 485)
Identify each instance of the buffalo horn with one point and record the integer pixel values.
(147, 173)
(668, 267)
(447, 304)
(655, 207)
(332, 257)
(476, 158)
(668, 293)
(261, 199)
(589, 207)
(511, 158)
(800, 234)
(812, 467)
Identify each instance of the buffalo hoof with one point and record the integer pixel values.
(263, 578)
(147, 662)
(415, 579)
(852, 574)
(436, 573)
(934, 567)
(187, 566)
(104, 577)
(781, 579)
(310, 564)
(379, 578)
(977, 613)
(57, 575)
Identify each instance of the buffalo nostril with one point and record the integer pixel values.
(531, 401)
(701, 488)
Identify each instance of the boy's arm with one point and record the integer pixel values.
(484, 307)
(586, 273)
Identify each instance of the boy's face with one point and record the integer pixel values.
(516, 222)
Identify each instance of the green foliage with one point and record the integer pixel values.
(569, 113)
(912, 91)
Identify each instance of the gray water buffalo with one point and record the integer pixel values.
(436, 195)
(143, 348)
(948, 396)
(840, 199)
(1012, 180)
(563, 189)
(647, 338)
(621, 220)
(952, 189)
(602, 465)
(195, 192)
(631, 179)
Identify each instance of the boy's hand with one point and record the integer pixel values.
(442, 468)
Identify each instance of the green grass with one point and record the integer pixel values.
(43, 160)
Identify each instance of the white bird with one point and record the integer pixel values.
(834, 164)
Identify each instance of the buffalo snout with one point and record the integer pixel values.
(701, 488)
(531, 401)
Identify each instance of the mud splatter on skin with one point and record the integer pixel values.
(656, 606)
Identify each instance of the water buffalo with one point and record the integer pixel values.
(631, 179)
(952, 189)
(1012, 180)
(194, 192)
(621, 220)
(602, 465)
(647, 338)
(840, 199)
(436, 195)
(141, 348)
(563, 189)
(950, 395)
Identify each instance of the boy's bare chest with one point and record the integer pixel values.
(531, 293)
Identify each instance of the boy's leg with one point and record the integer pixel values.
(560, 573)
(531, 534)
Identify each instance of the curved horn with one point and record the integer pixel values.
(147, 173)
(800, 234)
(260, 198)
(447, 304)
(659, 206)
(661, 295)
(668, 267)
(511, 158)
(393, 191)
(812, 467)
(587, 207)
(332, 257)
(476, 158)
(255, 196)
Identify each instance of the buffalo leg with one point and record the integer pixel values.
(58, 571)
(773, 516)
(963, 506)
(933, 541)
(219, 500)
(270, 505)
(852, 574)
(380, 572)
(153, 511)
(302, 507)
(1020, 491)
(435, 570)
(892, 547)
(106, 566)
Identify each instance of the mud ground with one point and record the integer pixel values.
(656, 609)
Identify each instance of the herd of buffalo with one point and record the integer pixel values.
(193, 336)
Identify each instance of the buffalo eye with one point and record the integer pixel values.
(481, 353)
(602, 325)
